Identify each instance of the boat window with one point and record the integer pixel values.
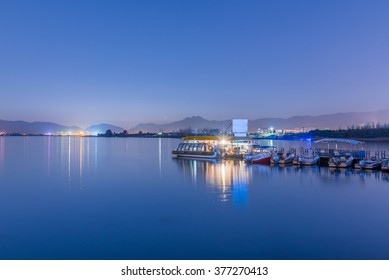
(195, 147)
(179, 148)
(186, 147)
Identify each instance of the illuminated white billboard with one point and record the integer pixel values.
(240, 127)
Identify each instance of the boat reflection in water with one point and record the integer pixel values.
(229, 179)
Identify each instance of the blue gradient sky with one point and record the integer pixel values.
(125, 62)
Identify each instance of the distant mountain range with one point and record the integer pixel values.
(195, 122)
(103, 127)
(329, 121)
(34, 127)
(53, 128)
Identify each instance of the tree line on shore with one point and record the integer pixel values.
(367, 131)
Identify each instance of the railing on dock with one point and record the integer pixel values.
(327, 153)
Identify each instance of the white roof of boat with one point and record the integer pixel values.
(339, 140)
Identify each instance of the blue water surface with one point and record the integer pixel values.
(128, 198)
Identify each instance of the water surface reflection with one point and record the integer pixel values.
(230, 179)
(233, 179)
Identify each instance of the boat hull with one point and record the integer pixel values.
(263, 160)
(385, 169)
(372, 166)
(309, 160)
(286, 161)
(194, 154)
(369, 165)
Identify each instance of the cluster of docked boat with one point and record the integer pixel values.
(274, 157)
(217, 148)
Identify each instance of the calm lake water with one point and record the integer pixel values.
(126, 198)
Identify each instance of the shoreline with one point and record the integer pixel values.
(151, 135)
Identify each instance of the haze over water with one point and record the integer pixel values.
(128, 198)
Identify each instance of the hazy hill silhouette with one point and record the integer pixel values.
(103, 127)
(35, 127)
(328, 121)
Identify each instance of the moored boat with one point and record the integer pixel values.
(310, 160)
(287, 159)
(197, 150)
(275, 158)
(260, 154)
(279, 158)
(334, 162)
(259, 158)
(372, 164)
(296, 160)
(385, 165)
(341, 161)
(368, 164)
(346, 161)
(307, 157)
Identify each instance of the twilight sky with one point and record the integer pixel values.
(125, 62)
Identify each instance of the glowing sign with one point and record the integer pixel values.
(240, 127)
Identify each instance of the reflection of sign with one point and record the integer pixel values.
(240, 127)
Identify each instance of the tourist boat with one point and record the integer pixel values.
(385, 165)
(341, 161)
(368, 164)
(197, 150)
(213, 147)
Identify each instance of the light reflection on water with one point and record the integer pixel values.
(230, 179)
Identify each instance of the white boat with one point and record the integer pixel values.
(296, 160)
(372, 164)
(279, 158)
(334, 162)
(368, 164)
(275, 158)
(309, 160)
(307, 157)
(346, 161)
(286, 159)
(341, 161)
